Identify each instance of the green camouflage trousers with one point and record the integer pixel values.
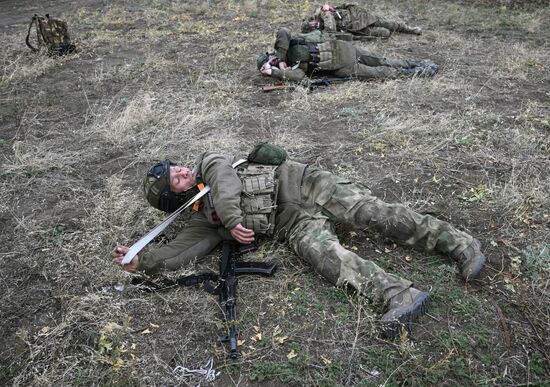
(346, 59)
(328, 198)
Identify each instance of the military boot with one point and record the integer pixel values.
(411, 30)
(423, 69)
(404, 308)
(416, 30)
(471, 260)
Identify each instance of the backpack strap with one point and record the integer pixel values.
(34, 20)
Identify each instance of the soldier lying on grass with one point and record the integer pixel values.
(303, 202)
(356, 20)
(318, 54)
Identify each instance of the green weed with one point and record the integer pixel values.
(537, 261)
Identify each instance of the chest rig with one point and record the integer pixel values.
(258, 197)
(304, 52)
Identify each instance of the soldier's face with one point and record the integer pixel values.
(181, 178)
(313, 25)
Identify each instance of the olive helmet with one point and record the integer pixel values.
(156, 187)
(262, 58)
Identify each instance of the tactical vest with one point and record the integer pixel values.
(335, 54)
(301, 51)
(258, 197)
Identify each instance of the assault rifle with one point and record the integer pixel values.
(311, 85)
(226, 285)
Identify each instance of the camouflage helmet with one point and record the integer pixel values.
(156, 187)
(262, 58)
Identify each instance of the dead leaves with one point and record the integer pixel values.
(277, 338)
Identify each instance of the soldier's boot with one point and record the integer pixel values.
(422, 69)
(471, 260)
(404, 308)
(410, 30)
(416, 30)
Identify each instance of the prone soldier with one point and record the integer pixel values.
(317, 54)
(356, 20)
(298, 204)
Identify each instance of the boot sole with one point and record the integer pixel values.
(392, 328)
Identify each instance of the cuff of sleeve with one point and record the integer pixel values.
(233, 222)
(146, 264)
(277, 73)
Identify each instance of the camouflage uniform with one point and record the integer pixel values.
(318, 53)
(309, 201)
(359, 21)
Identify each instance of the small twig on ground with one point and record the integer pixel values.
(504, 326)
(433, 317)
(352, 353)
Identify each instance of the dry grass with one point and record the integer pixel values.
(156, 79)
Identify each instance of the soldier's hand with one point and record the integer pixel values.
(242, 234)
(266, 69)
(283, 65)
(118, 254)
(328, 8)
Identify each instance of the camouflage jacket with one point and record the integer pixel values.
(346, 17)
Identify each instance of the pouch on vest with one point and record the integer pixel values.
(51, 33)
(258, 197)
(336, 54)
(269, 154)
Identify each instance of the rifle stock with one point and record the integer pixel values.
(312, 84)
(278, 86)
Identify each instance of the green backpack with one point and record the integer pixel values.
(267, 154)
(51, 33)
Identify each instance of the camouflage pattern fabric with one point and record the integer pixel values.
(354, 18)
(51, 33)
(346, 59)
(328, 198)
(358, 20)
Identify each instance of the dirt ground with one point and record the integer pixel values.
(168, 79)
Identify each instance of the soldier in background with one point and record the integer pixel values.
(355, 20)
(299, 204)
(317, 54)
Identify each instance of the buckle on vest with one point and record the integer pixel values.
(312, 48)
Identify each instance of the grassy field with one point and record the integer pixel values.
(164, 78)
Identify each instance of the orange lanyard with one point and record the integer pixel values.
(197, 204)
